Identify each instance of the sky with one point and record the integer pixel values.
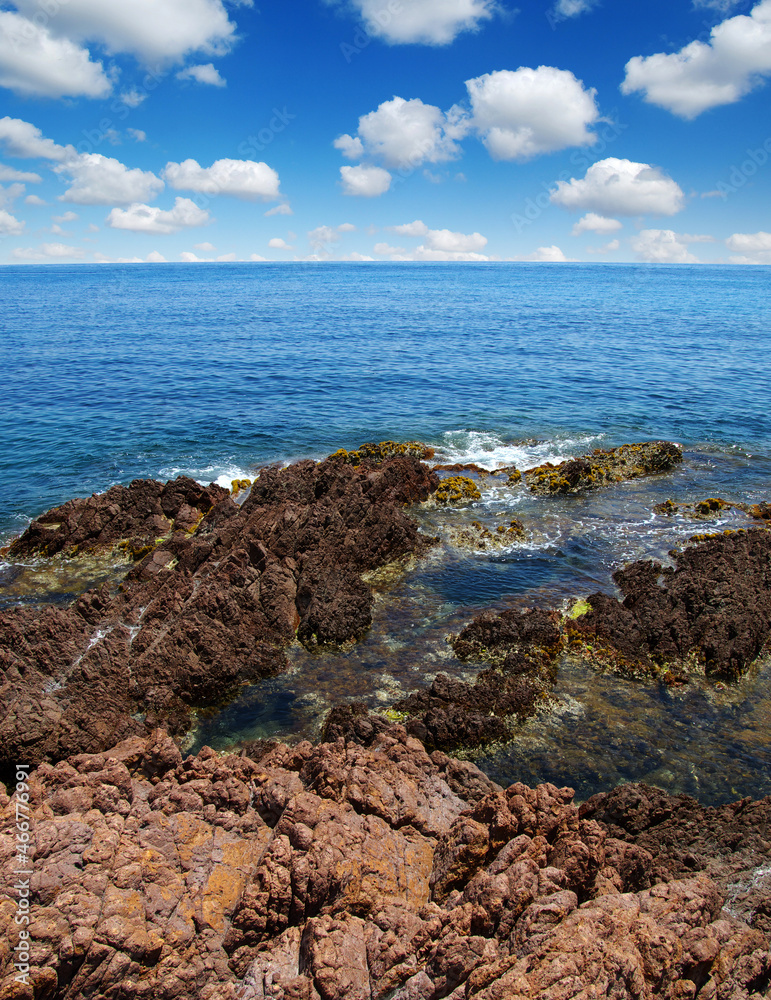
(377, 130)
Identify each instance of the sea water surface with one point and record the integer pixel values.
(113, 372)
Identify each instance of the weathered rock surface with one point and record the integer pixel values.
(711, 611)
(630, 461)
(135, 518)
(710, 614)
(340, 872)
(205, 610)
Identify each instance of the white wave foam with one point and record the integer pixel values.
(223, 475)
(490, 451)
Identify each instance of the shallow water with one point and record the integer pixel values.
(117, 372)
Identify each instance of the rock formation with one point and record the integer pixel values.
(212, 603)
(339, 872)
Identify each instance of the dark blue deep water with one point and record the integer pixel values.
(113, 372)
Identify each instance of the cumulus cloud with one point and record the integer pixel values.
(245, 179)
(386, 250)
(149, 219)
(9, 225)
(402, 134)
(365, 182)
(26, 142)
(66, 217)
(282, 209)
(754, 248)
(706, 75)
(152, 30)
(155, 258)
(33, 199)
(35, 63)
(593, 223)
(204, 247)
(137, 134)
(102, 180)
(525, 112)
(202, 74)
(552, 253)
(662, 246)
(427, 22)
(48, 251)
(416, 228)
(620, 187)
(256, 256)
(25, 176)
(449, 242)
(564, 9)
(9, 195)
(277, 243)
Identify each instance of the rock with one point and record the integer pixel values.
(601, 468)
(205, 610)
(711, 611)
(340, 870)
(478, 538)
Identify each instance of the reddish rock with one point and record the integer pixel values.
(202, 612)
(342, 871)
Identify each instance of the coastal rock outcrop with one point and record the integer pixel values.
(339, 872)
(600, 468)
(210, 607)
(710, 614)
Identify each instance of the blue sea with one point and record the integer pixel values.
(113, 372)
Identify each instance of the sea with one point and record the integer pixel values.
(115, 372)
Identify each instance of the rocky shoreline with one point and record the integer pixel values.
(371, 865)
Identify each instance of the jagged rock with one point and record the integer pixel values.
(342, 871)
(601, 468)
(204, 611)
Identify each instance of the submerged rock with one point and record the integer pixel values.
(601, 468)
(340, 872)
(205, 610)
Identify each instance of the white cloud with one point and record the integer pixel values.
(256, 256)
(48, 251)
(35, 63)
(245, 179)
(754, 248)
(9, 174)
(385, 250)
(203, 74)
(67, 217)
(365, 182)
(152, 30)
(137, 134)
(416, 228)
(226, 257)
(403, 135)
(102, 180)
(133, 98)
(321, 236)
(593, 223)
(282, 209)
(525, 112)
(351, 147)
(620, 187)
(355, 255)
(205, 247)
(346, 227)
(706, 75)
(277, 243)
(9, 195)
(662, 246)
(10, 226)
(26, 142)
(449, 242)
(552, 253)
(427, 22)
(33, 199)
(605, 248)
(190, 258)
(564, 9)
(146, 219)
(155, 258)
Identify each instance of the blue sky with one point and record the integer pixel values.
(592, 130)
